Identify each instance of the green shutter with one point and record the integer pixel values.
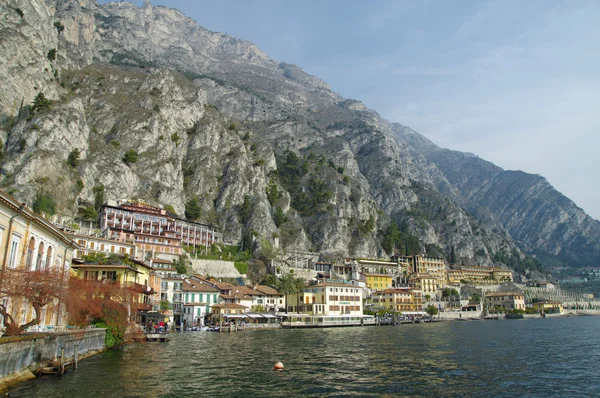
(201, 299)
(187, 298)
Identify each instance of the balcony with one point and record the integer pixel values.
(142, 307)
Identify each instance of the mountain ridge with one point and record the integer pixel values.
(212, 117)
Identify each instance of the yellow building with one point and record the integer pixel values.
(137, 277)
(328, 298)
(396, 300)
(549, 307)
(378, 281)
(30, 243)
(419, 264)
(425, 283)
(479, 275)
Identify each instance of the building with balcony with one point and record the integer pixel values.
(478, 275)
(30, 243)
(396, 300)
(327, 298)
(420, 264)
(136, 278)
(153, 230)
(425, 283)
(88, 244)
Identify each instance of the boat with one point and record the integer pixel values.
(292, 321)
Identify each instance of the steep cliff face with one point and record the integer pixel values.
(267, 149)
(536, 215)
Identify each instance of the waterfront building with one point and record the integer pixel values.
(198, 297)
(228, 310)
(136, 277)
(396, 300)
(425, 283)
(171, 293)
(88, 244)
(273, 300)
(378, 281)
(327, 298)
(30, 243)
(548, 306)
(506, 300)
(153, 230)
(479, 275)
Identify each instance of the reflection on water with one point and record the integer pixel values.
(536, 357)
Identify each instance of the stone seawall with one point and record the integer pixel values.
(215, 268)
(23, 352)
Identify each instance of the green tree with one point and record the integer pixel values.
(44, 203)
(130, 157)
(475, 298)
(59, 26)
(256, 271)
(279, 217)
(246, 210)
(272, 193)
(270, 280)
(73, 158)
(181, 265)
(51, 55)
(431, 310)
(98, 192)
(170, 209)
(88, 213)
(391, 238)
(286, 285)
(40, 103)
(193, 211)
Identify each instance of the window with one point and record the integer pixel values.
(14, 247)
(200, 298)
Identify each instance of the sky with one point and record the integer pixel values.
(514, 82)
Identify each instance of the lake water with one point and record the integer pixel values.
(552, 357)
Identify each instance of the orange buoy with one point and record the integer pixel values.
(278, 366)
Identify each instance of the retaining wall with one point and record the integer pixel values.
(18, 353)
(215, 268)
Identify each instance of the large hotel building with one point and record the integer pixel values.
(152, 229)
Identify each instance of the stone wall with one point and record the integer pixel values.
(215, 268)
(17, 354)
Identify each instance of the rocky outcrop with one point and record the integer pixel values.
(270, 152)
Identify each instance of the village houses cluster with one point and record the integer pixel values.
(144, 244)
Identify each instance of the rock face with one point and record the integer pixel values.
(536, 215)
(147, 104)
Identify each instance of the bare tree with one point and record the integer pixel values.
(21, 288)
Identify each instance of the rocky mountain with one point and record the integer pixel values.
(119, 102)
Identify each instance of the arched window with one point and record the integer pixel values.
(30, 249)
(40, 257)
(49, 258)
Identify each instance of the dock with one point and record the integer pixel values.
(161, 337)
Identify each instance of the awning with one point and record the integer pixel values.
(235, 316)
(268, 315)
(253, 315)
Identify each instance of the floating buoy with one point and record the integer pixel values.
(278, 366)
